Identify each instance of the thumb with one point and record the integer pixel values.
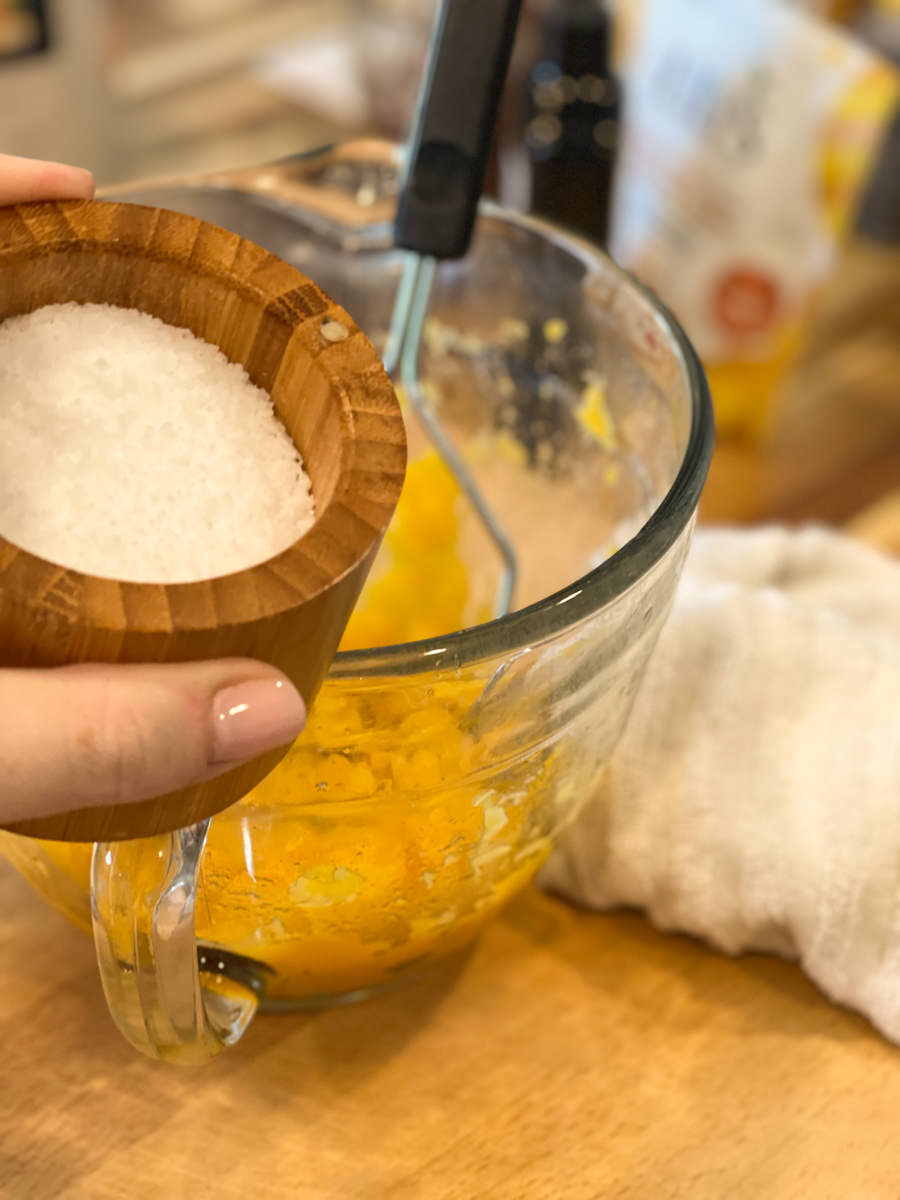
(83, 736)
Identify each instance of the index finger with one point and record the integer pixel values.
(25, 179)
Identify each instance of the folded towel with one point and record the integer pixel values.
(754, 800)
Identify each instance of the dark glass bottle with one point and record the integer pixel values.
(572, 132)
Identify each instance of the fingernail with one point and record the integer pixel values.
(249, 718)
(76, 183)
(84, 185)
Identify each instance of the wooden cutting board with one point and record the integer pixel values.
(572, 1056)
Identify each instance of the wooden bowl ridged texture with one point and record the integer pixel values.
(331, 392)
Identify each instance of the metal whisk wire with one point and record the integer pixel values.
(403, 349)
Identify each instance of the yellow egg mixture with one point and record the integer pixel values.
(391, 831)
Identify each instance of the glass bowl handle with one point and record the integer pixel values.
(143, 904)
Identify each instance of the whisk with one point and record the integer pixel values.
(445, 164)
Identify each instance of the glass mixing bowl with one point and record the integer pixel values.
(434, 774)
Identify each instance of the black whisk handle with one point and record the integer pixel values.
(454, 125)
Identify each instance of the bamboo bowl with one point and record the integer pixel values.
(328, 387)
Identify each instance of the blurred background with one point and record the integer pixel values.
(143, 87)
(147, 88)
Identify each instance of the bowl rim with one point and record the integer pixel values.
(605, 583)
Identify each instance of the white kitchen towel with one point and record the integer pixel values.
(754, 800)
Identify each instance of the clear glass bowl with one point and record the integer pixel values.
(435, 774)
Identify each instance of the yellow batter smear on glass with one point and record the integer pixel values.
(593, 415)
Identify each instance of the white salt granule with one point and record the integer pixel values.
(133, 450)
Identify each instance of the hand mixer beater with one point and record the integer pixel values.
(446, 160)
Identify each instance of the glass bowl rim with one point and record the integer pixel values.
(605, 583)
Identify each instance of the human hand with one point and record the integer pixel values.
(79, 736)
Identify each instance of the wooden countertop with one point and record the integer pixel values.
(571, 1054)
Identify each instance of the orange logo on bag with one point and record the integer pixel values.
(746, 301)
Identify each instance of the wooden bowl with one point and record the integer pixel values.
(333, 395)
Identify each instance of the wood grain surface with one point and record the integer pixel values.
(331, 391)
(571, 1057)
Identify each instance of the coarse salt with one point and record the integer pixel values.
(133, 450)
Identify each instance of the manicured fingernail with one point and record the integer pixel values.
(82, 184)
(249, 718)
